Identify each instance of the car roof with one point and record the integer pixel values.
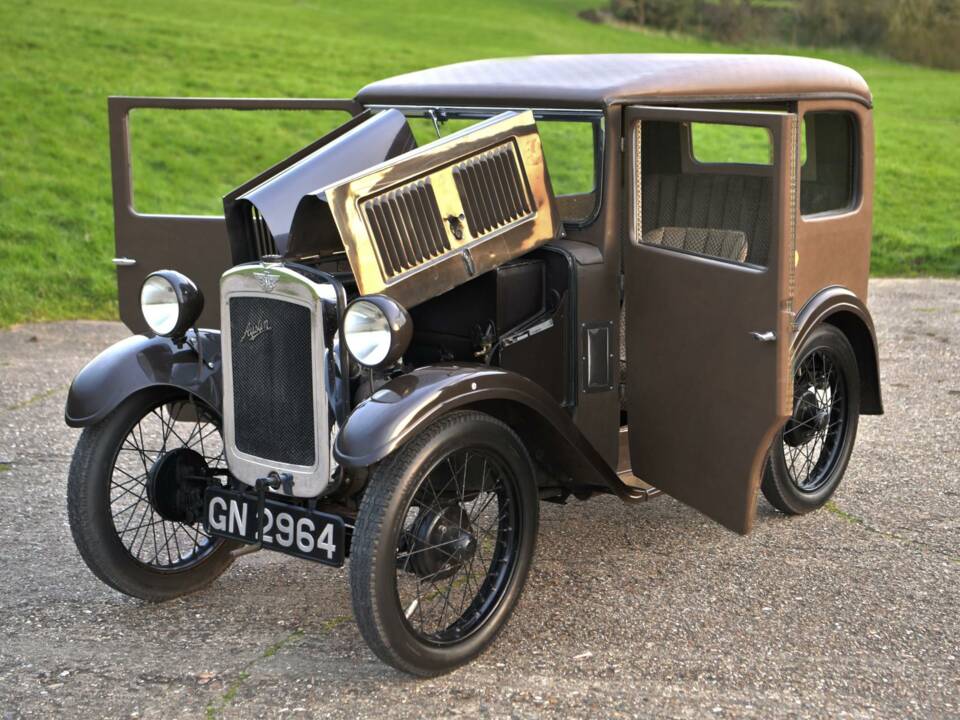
(598, 81)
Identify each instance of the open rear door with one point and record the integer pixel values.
(709, 279)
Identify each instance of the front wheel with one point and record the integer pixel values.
(810, 453)
(444, 539)
(135, 500)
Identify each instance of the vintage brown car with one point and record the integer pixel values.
(625, 274)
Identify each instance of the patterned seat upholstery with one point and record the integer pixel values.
(727, 244)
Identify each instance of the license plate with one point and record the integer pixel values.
(286, 528)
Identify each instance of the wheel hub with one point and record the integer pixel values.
(443, 543)
(175, 485)
(807, 421)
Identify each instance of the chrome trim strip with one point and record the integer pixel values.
(290, 286)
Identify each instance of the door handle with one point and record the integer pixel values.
(124, 262)
(768, 336)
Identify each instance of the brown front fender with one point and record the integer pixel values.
(407, 404)
(840, 307)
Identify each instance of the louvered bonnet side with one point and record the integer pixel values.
(433, 218)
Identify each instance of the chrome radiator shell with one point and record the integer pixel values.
(270, 283)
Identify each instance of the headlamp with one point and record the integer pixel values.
(170, 302)
(377, 330)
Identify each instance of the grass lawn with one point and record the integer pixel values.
(61, 59)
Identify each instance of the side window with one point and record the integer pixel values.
(828, 156)
(706, 189)
(184, 162)
(713, 143)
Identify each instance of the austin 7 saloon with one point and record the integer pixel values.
(495, 284)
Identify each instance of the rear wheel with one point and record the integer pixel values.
(134, 500)
(443, 543)
(810, 454)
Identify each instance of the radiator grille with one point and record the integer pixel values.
(272, 360)
(260, 234)
(492, 190)
(406, 227)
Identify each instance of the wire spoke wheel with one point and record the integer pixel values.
(135, 496)
(444, 539)
(153, 538)
(810, 455)
(456, 549)
(814, 435)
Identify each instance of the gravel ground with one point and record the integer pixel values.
(646, 610)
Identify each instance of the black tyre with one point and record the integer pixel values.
(810, 454)
(136, 524)
(443, 543)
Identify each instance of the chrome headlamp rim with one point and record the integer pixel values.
(170, 303)
(377, 330)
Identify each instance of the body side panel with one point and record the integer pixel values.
(597, 413)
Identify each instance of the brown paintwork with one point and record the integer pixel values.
(839, 306)
(597, 414)
(409, 403)
(834, 248)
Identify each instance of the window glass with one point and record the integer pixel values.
(828, 162)
(185, 161)
(569, 147)
(719, 143)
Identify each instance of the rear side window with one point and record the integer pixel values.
(828, 155)
(717, 143)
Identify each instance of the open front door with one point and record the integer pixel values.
(196, 245)
(709, 278)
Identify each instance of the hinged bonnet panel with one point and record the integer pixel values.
(433, 218)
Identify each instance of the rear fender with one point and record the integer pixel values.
(406, 405)
(141, 362)
(840, 307)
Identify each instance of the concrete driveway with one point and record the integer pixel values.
(646, 610)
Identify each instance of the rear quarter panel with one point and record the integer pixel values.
(834, 248)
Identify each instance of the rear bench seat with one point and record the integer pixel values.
(714, 201)
(727, 244)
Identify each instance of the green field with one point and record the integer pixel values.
(61, 59)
